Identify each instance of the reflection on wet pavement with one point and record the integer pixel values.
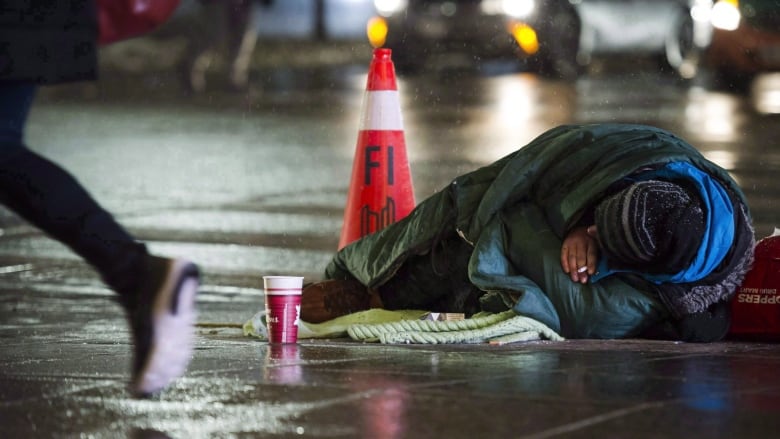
(340, 388)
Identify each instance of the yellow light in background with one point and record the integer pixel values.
(376, 30)
(526, 38)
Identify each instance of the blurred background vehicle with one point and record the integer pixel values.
(745, 41)
(556, 38)
(560, 39)
(677, 32)
(545, 33)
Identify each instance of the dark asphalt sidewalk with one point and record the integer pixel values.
(66, 355)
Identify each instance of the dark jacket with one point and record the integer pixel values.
(515, 214)
(48, 41)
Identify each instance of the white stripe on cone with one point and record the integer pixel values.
(376, 115)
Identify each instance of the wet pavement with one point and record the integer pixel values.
(254, 183)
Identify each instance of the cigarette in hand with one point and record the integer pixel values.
(582, 269)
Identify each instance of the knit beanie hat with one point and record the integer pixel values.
(653, 226)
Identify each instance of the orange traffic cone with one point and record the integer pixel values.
(381, 190)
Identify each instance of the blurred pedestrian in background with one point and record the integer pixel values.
(231, 32)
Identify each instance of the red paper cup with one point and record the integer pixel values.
(283, 307)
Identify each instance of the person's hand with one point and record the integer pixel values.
(579, 253)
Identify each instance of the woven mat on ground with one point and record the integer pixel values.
(408, 326)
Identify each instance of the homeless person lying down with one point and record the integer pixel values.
(597, 231)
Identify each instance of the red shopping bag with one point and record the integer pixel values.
(122, 19)
(756, 306)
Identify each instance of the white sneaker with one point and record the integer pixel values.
(161, 321)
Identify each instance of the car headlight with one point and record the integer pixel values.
(701, 11)
(387, 8)
(512, 8)
(726, 15)
(518, 8)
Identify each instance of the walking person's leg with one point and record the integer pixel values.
(157, 293)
